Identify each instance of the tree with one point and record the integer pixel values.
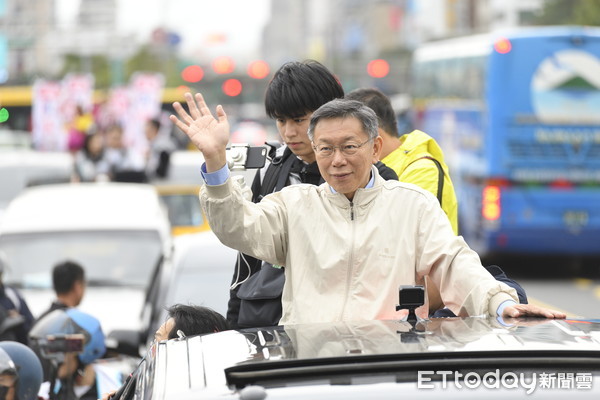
(587, 12)
(97, 65)
(148, 59)
(569, 12)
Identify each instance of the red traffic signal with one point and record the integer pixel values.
(232, 87)
(192, 73)
(258, 69)
(223, 65)
(378, 68)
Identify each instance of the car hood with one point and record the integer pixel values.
(115, 307)
(318, 351)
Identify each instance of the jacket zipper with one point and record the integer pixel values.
(350, 261)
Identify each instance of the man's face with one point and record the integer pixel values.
(346, 173)
(162, 333)
(293, 131)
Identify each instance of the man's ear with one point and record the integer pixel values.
(377, 148)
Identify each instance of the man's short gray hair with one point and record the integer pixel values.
(343, 108)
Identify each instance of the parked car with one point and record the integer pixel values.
(450, 358)
(118, 232)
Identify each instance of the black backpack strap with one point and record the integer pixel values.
(284, 174)
(386, 172)
(440, 188)
(276, 175)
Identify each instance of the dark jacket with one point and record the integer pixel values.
(257, 301)
(11, 299)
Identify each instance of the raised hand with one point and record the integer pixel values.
(209, 134)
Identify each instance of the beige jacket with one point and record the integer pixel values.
(346, 260)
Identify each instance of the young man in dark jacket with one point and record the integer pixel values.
(295, 92)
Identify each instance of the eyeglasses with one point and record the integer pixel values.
(347, 149)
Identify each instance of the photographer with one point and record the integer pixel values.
(68, 342)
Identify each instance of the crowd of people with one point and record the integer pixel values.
(101, 154)
(382, 200)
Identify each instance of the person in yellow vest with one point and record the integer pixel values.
(81, 126)
(418, 159)
(415, 157)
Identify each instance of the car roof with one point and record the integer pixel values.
(86, 206)
(343, 352)
(22, 168)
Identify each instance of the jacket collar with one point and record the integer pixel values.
(362, 197)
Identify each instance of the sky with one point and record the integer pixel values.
(198, 22)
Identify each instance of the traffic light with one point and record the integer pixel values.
(223, 65)
(378, 68)
(4, 115)
(232, 87)
(192, 73)
(258, 69)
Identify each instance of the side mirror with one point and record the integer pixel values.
(126, 342)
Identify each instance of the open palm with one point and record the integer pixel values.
(208, 133)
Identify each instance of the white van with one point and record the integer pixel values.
(118, 232)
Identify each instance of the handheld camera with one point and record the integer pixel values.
(62, 343)
(241, 156)
(411, 297)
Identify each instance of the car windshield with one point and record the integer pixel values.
(124, 258)
(184, 209)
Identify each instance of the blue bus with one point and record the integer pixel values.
(517, 114)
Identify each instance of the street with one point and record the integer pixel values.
(565, 284)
